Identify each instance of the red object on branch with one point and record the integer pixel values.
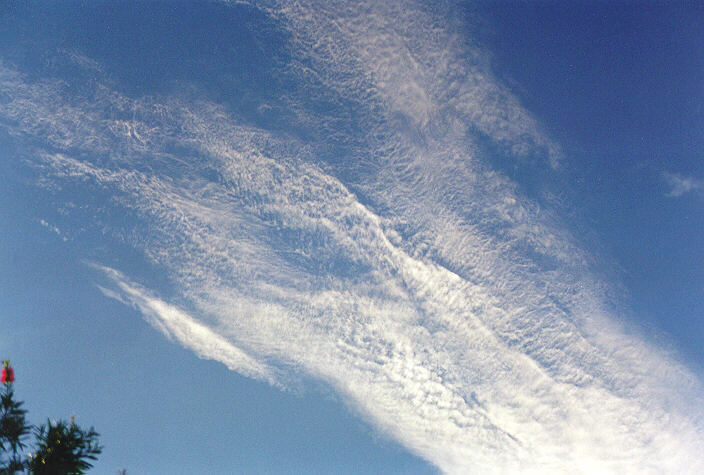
(8, 374)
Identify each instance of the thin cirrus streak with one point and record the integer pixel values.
(178, 325)
(442, 304)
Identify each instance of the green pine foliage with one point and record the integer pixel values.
(13, 431)
(59, 448)
(63, 447)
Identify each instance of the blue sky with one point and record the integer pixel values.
(331, 237)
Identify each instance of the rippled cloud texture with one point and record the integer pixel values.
(377, 252)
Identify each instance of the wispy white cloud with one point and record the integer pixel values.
(177, 325)
(452, 312)
(53, 229)
(429, 85)
(681, 185)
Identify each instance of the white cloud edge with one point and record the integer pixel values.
(681, 184)
(179, 326)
